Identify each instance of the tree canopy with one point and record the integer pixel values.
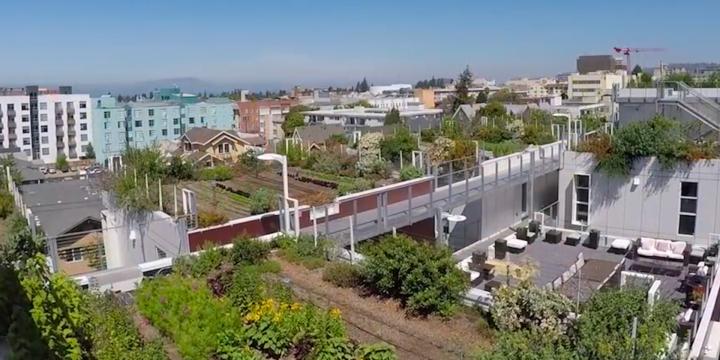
(393, 117)
(462, 88)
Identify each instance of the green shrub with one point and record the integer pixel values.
(379, 351)
(247, 250)
(342, 274)
(409, 173)
(359, 184)
(210, 218)
(218, 173)
(423, 277)
(114, 334)
(503, 148)
(249, 287)
(210, 259)
(186, 311)
(493, 134)
(527, 344)
(302, 250)
(262, 200)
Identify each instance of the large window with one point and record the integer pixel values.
(581, 203)
(688, 207)
(72, 255)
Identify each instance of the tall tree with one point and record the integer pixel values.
(462, 88)
(482, 97)
(393, 117)
(637, 70)
(90, 151)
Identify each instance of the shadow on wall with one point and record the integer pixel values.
(659, 177)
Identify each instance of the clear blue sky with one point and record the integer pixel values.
(336, 42)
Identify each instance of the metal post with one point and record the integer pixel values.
(450, 184)
(482, 178)
(352, 240)
(509, 167)
(496, 172)
(355, 211)
(378, 204)
(327, 220)
(467, 184)
(384, 198)
(315, 229)
(409, 198)
(286, 194)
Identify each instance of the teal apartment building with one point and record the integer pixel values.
(165, 117)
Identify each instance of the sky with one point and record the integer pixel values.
(276, 43)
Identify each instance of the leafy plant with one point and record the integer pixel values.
(180, 169)
(528, 345)
(61, 163)
(217, 173)
(402, 142)
(262, 201)
(302, 250)
(210, 259)
(409, 173)
(343, 274)
(423, 277)
(379, 351)
(357, 185)
(527, 307)
(210, 218)
(185, 310)
(249, 251)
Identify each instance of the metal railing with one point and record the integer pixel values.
(694, 102)
(451, 187)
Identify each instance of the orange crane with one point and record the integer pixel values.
(628, 50)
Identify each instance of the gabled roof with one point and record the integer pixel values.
(313, 134)
(468, 110)
(203, 136)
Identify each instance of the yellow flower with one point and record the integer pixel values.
(296, 306)
(335, 312)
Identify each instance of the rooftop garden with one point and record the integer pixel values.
(659, 137)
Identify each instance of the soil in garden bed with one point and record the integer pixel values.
(372, 319)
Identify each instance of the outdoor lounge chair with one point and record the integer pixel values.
(516, 244)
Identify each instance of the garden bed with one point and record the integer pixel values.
(431, 337)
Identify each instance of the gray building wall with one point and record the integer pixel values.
(501, 208)
(619, 208)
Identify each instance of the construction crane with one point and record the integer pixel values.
(628, 50)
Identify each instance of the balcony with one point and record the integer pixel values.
(59, 122)
(59, 132)
(73, 155)
(12, 136)
(58, 111)
(60, 144)
(72, 143)
(11, 112)
(70, 120)
(71, 110)
(71, 132)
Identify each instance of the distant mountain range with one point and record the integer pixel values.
(187, 84)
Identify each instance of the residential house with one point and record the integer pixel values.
(315, 137)
(68, 214)
(210, 147)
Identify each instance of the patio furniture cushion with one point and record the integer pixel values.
(621, 244)
(662, 248)
(647, 243)
(662, 245)
(678, 247)
(514, 243)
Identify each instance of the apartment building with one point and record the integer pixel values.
(353, 119)
(595, 87)
(44, 123)
(263, 117)
(144, 123)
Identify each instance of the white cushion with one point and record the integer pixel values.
(647, 243)
(620, 244)
(517, 244)
(678, 247)
(672, 255)
(645, 252)
(662, 245)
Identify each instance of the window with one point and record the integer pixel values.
(581, 206)
(46, 151)
(26, 129)
(83, 105)
(106, 114)
(43, 118)
(44, 140)
(223, 148)
(688, 207)
(83, 126)
(151, 123)
(151, 112)
(83, 137)
(24, 107)
(120, 124)
(105, 125)
(44, 128)
(523, 199)
(83, 115)
(164, 132)
(176, 121)
(151, 133)
(26, 141)
(25, 118)
(160, 253)
(138, 123)
(72, 255)
(43, 106)
(176, 131)
(191, 120)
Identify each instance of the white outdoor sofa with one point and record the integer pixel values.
(674, 250)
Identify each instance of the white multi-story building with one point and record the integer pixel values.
(44, 123)
(594, 87)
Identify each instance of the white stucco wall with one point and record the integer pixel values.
(617, 207)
